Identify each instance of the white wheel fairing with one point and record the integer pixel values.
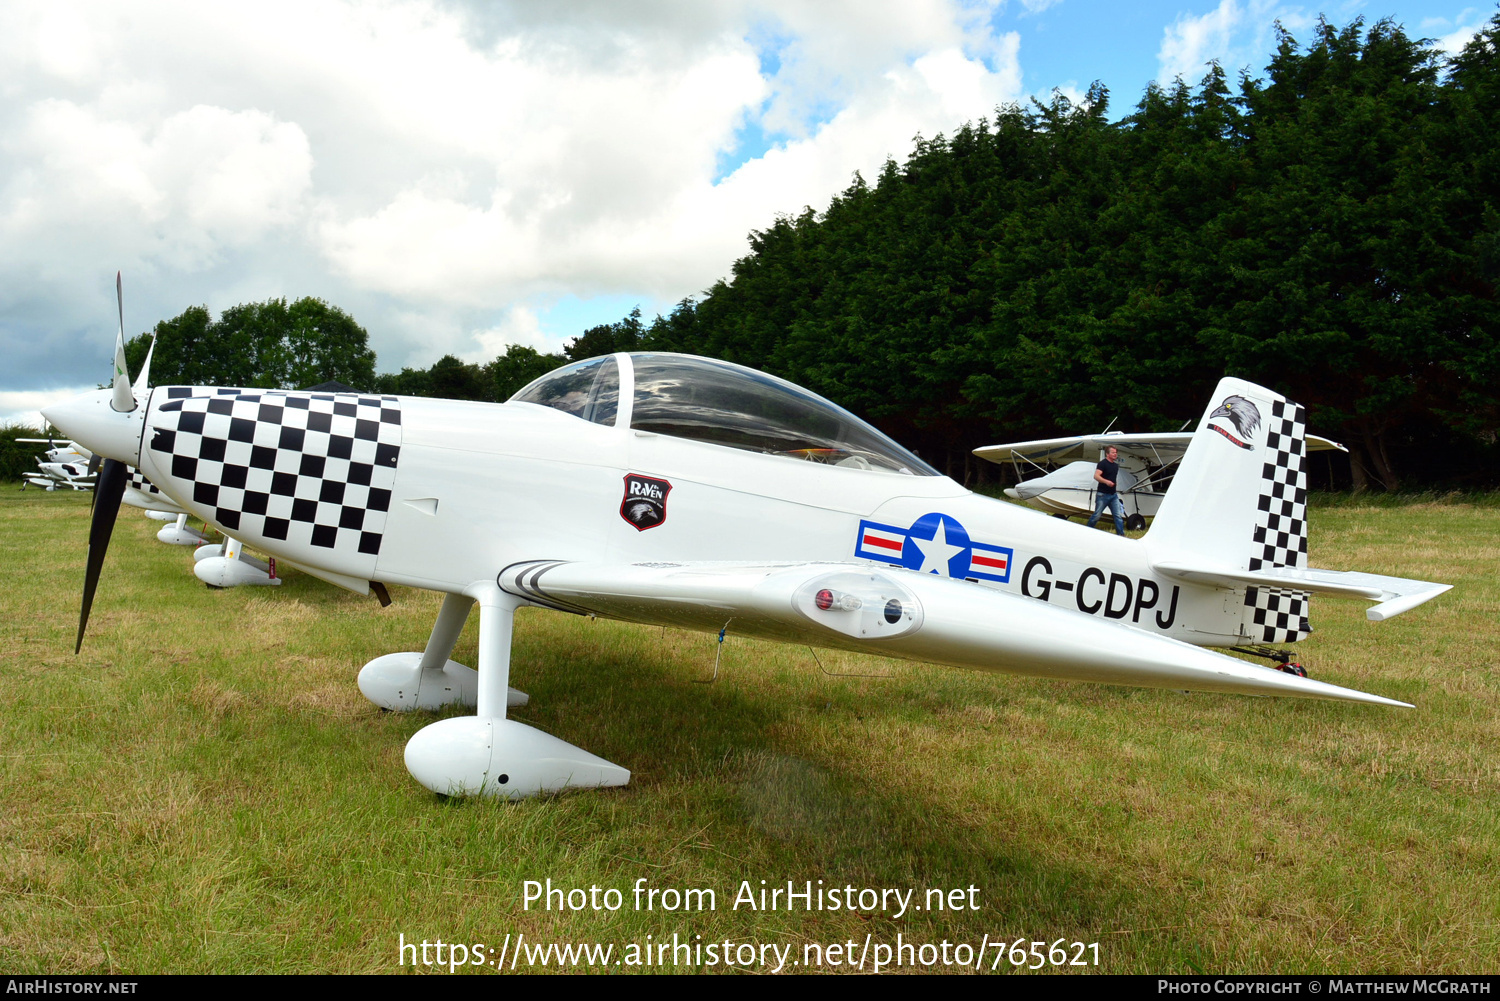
(483, 756)
(397, 682)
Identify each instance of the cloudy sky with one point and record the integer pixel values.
(464, 176)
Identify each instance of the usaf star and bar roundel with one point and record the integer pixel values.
(934, 543)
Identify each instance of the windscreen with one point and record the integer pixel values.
(588, 389)
(726, 404)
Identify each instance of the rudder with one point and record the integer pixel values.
(1239, 501)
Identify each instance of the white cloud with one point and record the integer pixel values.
(1192, 42)
(1452, 35)
(520, 325)
(624, 198)
(440, 169)
(1235, 35)
(173, 192)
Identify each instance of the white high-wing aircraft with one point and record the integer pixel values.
(675, 490)
(1147, 464)
(61, 450)
(67, 475)
(65, 465)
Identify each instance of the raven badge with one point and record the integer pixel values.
(1244, 415)
(645, 503)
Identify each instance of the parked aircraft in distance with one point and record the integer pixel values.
(64, 465)
(1147, 464)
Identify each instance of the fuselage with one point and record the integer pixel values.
(439, 494)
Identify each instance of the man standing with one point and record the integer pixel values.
(1106, 474)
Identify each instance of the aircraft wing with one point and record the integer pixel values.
(898, 613)
(1395, 594)
(1160, 447)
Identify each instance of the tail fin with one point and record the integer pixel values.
(1239, 502)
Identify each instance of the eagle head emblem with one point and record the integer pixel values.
(1243, 414)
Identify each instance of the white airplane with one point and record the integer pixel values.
(65, 465)
(69, 464)
(1147, 463)
(61, 451)
(683, 491)
(218, 565)
(53, 475)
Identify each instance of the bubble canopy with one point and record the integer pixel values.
(703, 399)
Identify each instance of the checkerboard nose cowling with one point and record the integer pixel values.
(135, 478)
(308, 474)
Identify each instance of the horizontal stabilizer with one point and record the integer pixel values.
(898, 613)
(1395, 594)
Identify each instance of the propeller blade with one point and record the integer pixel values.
(143, 380)
(95, 461)
(124, 400)
(107, 494)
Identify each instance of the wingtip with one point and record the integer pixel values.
(1322, 689)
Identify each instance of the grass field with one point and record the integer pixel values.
(205, 790)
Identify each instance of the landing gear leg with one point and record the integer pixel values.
(445, 632)
(488, 754)
(429, 680)
(1281, 660)
(497, 617)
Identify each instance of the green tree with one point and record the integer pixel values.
(517, 367)
(1464, 255)
(18, 458)
(271, 345)
(322, 343)
(1332, 230)
(1328, 249)
(407, 382)
(184, 355)
(607, 338)
(453, 379)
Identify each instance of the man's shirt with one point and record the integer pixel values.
(1111, 472)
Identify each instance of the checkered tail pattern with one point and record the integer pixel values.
(309, 475)
(1277, 615)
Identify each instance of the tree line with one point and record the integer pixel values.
(1330, 229)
